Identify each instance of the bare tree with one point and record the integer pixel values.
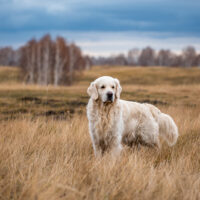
(147, 57)
(164, 58)
(51, 62)
(31, 54)
(176, 60)
(189, 56)
(197, 60)
(7, 56)
(133, 56)
(61, 57)
(39, 64)
(76, 61)
(121, 59)
(46, 40)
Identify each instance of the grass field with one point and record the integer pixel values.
(46, 152)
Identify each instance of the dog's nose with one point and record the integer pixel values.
(110, 95)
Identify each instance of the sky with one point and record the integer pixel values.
(105, 27)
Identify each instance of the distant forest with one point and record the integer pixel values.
(149, 57)
(46, 61)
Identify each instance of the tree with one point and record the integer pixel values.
(46, 56)
(133, 56)
(31, 60)
(164, 58)
(176, 60)
(189, 56)
(120, 60)
(7, 56)
(51, 62)
(197, 60)
(147, 57)
(61, 57)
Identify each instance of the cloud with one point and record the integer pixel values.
(136, 22)
(80, 15)
(49, 6)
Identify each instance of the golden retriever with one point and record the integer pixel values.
(113, 122)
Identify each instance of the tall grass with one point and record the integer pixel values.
(53, 159)
(46, 153)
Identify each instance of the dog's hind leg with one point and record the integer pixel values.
(148, 134)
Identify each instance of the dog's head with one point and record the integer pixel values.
(105, 88)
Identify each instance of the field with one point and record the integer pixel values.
(46, 151)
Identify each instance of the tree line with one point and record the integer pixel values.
(149, 57)
(46, 61)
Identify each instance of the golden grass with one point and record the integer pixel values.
(145, 75)
(9, 75)
(48, 157)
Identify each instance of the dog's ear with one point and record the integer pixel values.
(118, 88)
(92, 91)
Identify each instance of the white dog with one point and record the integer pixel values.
(113, 122)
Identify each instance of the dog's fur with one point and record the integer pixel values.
(113, 122)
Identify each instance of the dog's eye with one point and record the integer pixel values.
(113, 87)
(102, 87)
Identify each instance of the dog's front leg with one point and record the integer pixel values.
(96, 143)
(115, 145)
(116, 150)
(103, 146)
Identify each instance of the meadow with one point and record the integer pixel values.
(46, 151)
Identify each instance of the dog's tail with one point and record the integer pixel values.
(167, 127)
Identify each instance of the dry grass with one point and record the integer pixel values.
(51, 158)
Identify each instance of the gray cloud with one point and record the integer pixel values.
(152, 15)
(88, 22)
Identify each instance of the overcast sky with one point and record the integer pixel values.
(103, 27)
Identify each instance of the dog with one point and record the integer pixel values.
(114, 122)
